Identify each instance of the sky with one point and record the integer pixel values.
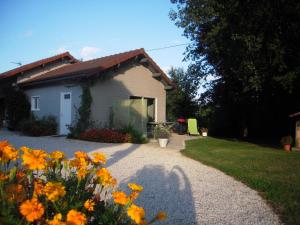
(32, 30)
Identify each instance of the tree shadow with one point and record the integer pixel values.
(117, 156)
(168, 191)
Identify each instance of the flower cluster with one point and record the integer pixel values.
(49, 189)
(104, 135)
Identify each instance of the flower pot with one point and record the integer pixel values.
(287, 147)
(163, 142)
(204, 134)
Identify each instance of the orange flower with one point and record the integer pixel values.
(3, 177)
(79, 163)
(54, 190)
(32, 209)
(56, 220)
(34, 159)
(81, 173)
(98, 158)
(134, 195)
(135, 187)
(89, 205)
(7, 152)
(161, 216)
(81, 155)
(38, 188)
(15, 192)
(136, 213)
(106, 178)
(20, 175)
(120, 198)
(57, 155)
(76, 218)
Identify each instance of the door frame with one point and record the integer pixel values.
(62, 94)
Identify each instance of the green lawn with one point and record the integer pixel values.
(272, 172)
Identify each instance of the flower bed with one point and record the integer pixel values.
(104, 135)
(48, 189)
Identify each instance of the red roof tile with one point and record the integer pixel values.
(32, 65)
(91, 67)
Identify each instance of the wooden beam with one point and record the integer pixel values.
(167, 88)
(143, 60)
(156, 75)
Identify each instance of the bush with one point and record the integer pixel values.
(162, 131)
(286, 140)
(104, 135)
(135, 136)
(39, 127)
(48, 189)
(18, 107)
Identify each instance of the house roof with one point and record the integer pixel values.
(95, 66)
(295, 114)
(21, 69)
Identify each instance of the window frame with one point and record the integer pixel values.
(33, 98)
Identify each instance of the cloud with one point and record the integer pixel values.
(88, 52)
(60, 50)
(27, 34)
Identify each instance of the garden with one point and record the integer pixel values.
(41, 188)
(274, 173)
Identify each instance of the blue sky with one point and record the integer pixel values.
(31, 30)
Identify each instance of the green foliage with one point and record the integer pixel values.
(251, 49)
(83, 113)
(135, 136)
(286, 140)
(272, 172)
(162, 131)
(181, 102)
(17, 106)
(39, 127)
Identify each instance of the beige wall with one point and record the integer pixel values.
(131, 80)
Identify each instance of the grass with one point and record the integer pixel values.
(275, 174)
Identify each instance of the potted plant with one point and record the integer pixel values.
(286, 142)
(162, 133)
(204, 131)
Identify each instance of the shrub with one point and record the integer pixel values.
(39, 127)
(48, 189)
(135, 136)
(104, 135)
(286, 140)
(18, 107)
(162, 131)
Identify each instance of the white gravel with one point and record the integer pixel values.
(190, 192)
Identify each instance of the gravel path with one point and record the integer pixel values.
(190, 192)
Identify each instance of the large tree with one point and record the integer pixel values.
(252, 48)
(182, 100)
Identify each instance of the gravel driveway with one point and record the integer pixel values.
(190, 192)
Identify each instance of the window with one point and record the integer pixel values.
(35, 103)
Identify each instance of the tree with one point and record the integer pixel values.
(252, 48)
(17, 106)
(182, 101)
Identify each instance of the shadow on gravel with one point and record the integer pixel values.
(168, 191)
(117, 156)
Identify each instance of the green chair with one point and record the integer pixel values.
(192, 127)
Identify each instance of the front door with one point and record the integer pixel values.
(65, 112)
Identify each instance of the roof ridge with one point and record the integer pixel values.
(37, 62)
(120, 53)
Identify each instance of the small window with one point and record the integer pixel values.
(67, 96)
(35, 103)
